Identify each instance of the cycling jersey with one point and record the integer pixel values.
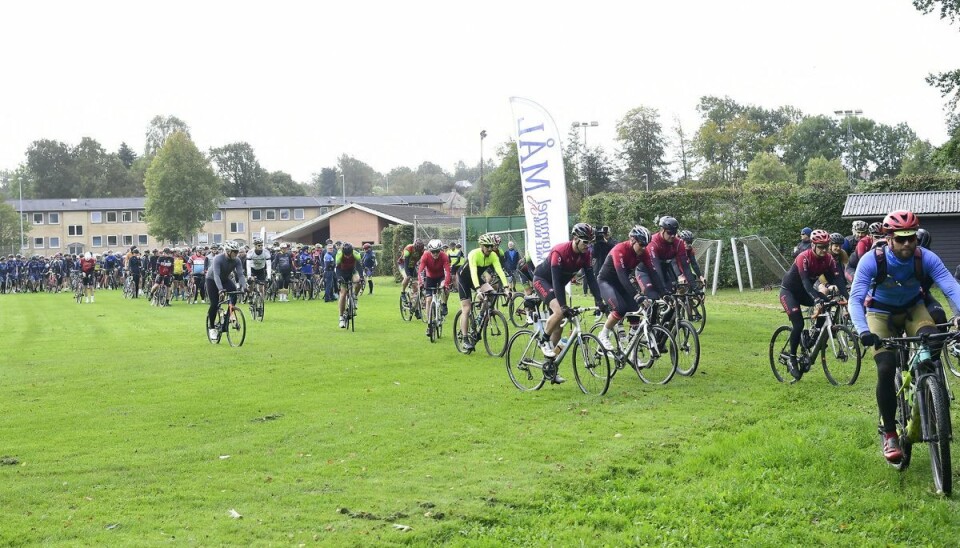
(435, 267)
(178, 265)
(620, 264)
(258, 261)
(806, 268)
(198, 264)
(662, 250)
(346, 263)
(456, 258)
(221, 267)
(477, 262)
(164, 265)
(87, 265)
(560, 266)
(410, 256)
(306, 263)
(284, 263)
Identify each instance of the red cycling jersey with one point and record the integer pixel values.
(435, 267)
(663, 250)
(87, 265)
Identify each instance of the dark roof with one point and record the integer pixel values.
(410, 213)
(933, 203)
(94, 204)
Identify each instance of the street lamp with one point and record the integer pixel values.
(847, 114)
(343, 185)
(585, 125)
(483, 135)
(22, 242)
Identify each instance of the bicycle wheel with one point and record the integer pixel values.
(79, 294)
(496, 333)
(698, 314)
(951, 357)
(218, 323)
(458, 335)
(591, 365)
(936, 429)
(352, 312)
(841, 357)
(688, 348)
(261, 307)
(779, 354)
(516, 311)
(655, 359)
(406, 312)
(902, 417)
(524, 361)
(237, 329)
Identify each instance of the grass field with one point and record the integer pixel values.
(121, 425)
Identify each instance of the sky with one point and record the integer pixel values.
(400, 83)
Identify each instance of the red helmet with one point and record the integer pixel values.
(820, 236)
(895, 221)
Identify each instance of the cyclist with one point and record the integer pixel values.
(836, 249)
(434, 269)
(616, 280)
(259, 266)
(924, 238)
(347, 263)
(135, 266)
(198, 269)
(859, 230)
(178, 272)
(797, 290)
(456, 261)
(218, 281)
(109, 264)
(669, 253)
(554, 273)
(283, 263)
(511, 260)
(887, 299)
(687, 238)
(470, 278)
(4, 272)
(330, 273)
(305, 261)
(864, 245)
(164, 272)
(408, 265)
(804, 243)
(369, 262)
(88, 268)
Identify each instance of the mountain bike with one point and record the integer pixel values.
(229, 320)
(484, 322)
(923, 404)
(837, 346)
(529, 369)
(649, 349)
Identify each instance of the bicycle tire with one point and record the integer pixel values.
(524, 361)
(351, 311)
(779, 348)
(218, 323)
(496, 334)
(845, 354)
(699, 314)
(518, 316)
(592, 372)
(951, 360)
(458, 335)
(652, 369)
(406, 312)
(901, 417)
(237, 329)
(937, 432)
(688, 348)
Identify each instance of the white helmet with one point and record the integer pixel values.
(434, 245)
(231, 246)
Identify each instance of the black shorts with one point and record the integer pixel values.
(544, 288)
(346, 276)
(411, 271)
(259, 274)
(178, 277)
(162, 280)
(791, 302)
(284, 279)
(620, 301)
(88, 278)
(431, 285)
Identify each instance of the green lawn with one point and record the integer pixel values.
(129, 428)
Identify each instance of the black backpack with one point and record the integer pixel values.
(879, 253)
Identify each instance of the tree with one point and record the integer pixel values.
(127, 155)
(919, 159)
(812, 137)
(641, 136)
(51, 164)
(182, 190)
(282, 184)
(325, 183)
(161, 127)
(948, 155)
(433, 179)
(359, 177)
(822, 170)
(10, 227)
(684, 154)
(506, 191)
(889, 147)
(241, 175)
(766, 167)
(947, 82)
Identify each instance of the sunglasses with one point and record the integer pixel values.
(822, 247)
(487, 246)
(905, 239)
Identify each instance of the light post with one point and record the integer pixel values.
(586, 178)
(343, 187)
(483, 135)
(847, 115)
(20, 180)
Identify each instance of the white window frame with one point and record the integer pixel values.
(217, 216)
(96, 241)
(38, 239)
(298, 214)
(126, 216)
(270, 214)
(217, 238)
(127, 240)
(37, 216)
(53, 242)
(77, 230)
(203, 238)
(141, 216)
(115, 217)
(115, 240)
(256, 215)
(141, 239)
(53, 218)
(237, 227)
(284, 214)
(96, 217)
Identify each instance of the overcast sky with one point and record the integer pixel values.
(400, 83)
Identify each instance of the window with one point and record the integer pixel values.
(38, 219)
(142, 239)
(284, 214)
(298, 214)
(141, 216)
(218, 238)
(255, 214)
(271, 215)
(203, 238)
(38, 243)
(236, 227)
(54, 242)
(75, 230)
(127, 241)
(75, 249)
(324, 210)
(53, 219)
(111, 216)
(126, 217)
(217, 215)
(96, 216)
(97, 241)
(111, 241)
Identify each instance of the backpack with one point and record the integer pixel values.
(879, 253)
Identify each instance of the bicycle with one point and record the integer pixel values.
(838, 341)
(435, 315)
(255, 300)
(925, 419)
(643, 348)
(524, 357)
(410, 305)
(484, 322)
(229, 320)
(78, 290)
(520, 310)
(692, 308)
(128, 287)
(683, 331)
(350, 307)
(161, 296)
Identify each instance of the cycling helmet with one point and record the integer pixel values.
(486, 239)
(901, 221)
(686, 236)
(257, 241)
(669, 224)
(434, 245)
(366, 247)
(583, 231)
(231, 246)
(820, 236)
(859, 226)
(603, 230)
(166, 250)
(640, 234)
(418, 244)
(836, 238)
(875, 229)
(924, 239)
(497, 239)
(347, 249)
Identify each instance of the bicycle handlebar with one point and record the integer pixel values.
(925, 338)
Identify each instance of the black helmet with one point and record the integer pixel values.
(836, 238)
(583, 231)
(686, 236)
(924, 238)
(641, 234)
(347, 248)
(669, 224)
(418, 244)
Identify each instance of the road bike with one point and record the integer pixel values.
(837, 346)
(529, 369)
(161, 297)
(410, 302)
(435, 315)
(350, 307)
(255, 300)
(229, 320)
(673, 310)
(484, 322)
(649, 349)
(923, 404)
